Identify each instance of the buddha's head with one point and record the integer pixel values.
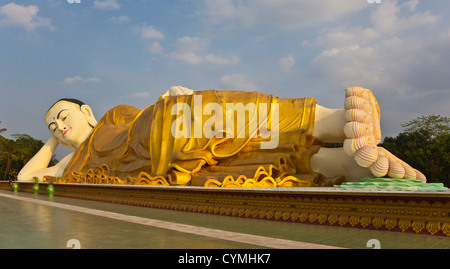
(70, 121)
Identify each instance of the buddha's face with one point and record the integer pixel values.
(70, 123)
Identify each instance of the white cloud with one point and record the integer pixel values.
(76, 79)
(120, 18)
(386, 54)
(338, 38)
(106, 4)
(194, 44)
(282, 13)
(188, 57)
(350, 65)
(387, 18)
(140, 95)
(23, 16)
(216, 59)
(194, 50)
(156, 47)
(149, 32)
(285, 64)
(188, 49)
(92, 80)
(71, 80)
(237, 82)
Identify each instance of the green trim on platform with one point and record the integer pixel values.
(392, 183)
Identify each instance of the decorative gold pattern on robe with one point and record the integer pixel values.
(129, 143)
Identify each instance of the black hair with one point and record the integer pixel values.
(71, 100)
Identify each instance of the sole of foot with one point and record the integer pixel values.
(363, 134)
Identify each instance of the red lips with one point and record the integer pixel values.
(64, 133)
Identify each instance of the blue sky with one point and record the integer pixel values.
(110, 52)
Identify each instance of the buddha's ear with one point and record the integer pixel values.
(89, 115)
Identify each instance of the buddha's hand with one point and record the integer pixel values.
(177, 90)
(72, 147)
(52, 141)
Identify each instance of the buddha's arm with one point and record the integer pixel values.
(177, 90)
(38, 165)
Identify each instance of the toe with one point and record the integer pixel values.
(363, 141)
(366, 156)
(396, 170)
(358, 116)
(357, 91)
(397, 167)
(357, 129)
(409, 171)
(351, 146)
(355, 102)
(381, 166)
(420, 176)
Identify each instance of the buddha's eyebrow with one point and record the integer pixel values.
(57, 117)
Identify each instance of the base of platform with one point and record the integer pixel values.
(421, 212)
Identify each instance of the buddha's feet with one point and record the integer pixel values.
(363, 134)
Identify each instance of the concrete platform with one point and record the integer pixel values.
(41, 222)
(418, 212)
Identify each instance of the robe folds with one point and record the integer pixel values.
(129, 141)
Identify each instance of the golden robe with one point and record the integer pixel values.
(128, 142)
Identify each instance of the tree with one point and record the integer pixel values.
(425, 145)
(14, 154)
(2, 129)
(433, 125)
(9, 153)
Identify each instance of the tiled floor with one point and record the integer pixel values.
(27, 224)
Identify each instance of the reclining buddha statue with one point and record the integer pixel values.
(220, 138)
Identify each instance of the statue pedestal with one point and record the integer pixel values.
(421, 212)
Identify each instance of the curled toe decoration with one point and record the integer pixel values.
(358, 115)
(396, 170)
(381, 166)
(363, 141)
(357, 129)
(366, 156)
(352, 145)
(357, 91)
(361, 106)
(355, 102)
(409, 171)
(420, 176)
